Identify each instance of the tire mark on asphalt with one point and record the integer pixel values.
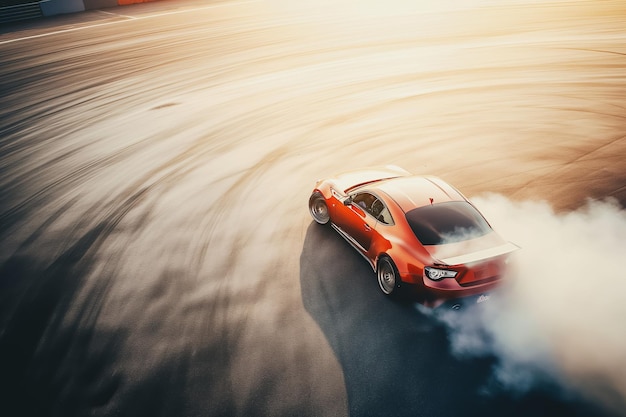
(232, 242)
(116, 22)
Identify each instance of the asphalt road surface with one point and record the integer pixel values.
(157, 257)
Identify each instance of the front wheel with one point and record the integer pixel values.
(388, 277)
(318, 208)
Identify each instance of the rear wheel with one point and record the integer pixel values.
(388, 277)
(318, 208)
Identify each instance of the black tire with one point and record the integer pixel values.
(318, 208)
(388, 276)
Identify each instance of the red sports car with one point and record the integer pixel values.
(415, 231)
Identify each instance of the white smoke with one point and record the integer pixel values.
(561, 316)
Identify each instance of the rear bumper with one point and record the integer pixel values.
(464, 303)
(435, 293)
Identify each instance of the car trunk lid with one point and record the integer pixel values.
(479, 260)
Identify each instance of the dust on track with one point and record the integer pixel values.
(155, 174)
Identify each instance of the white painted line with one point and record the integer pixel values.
(116, 14)
(74, 29)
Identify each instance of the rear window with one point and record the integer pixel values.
(449, 222)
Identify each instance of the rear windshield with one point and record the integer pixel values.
(449, 222)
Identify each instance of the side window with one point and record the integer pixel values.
(364, 200)
(381, 212)
(373, 206)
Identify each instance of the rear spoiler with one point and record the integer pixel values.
(481, 254)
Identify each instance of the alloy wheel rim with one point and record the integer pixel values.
(320, 211)
(386, 277)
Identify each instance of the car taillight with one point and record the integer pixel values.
(437, 274)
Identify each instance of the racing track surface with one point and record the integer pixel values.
(157, 257)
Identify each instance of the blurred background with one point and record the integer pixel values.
(157, 255)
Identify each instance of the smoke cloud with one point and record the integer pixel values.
(560, 319)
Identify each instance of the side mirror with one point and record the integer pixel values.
(347, 201)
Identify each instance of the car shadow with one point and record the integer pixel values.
(396, 360)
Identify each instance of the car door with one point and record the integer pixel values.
(359, 222)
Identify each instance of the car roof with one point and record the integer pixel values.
(417, 191)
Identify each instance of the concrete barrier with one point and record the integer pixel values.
(99, 4)
(52, 7)
(123, 2)
(14, 10)
(19, 11)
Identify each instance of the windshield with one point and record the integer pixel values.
(449, 222)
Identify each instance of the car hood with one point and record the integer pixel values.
(472, 250)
